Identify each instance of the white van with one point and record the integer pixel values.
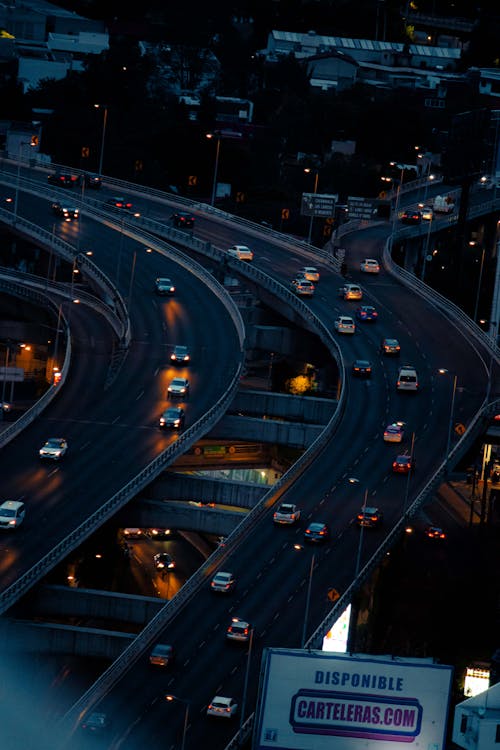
(407, 379)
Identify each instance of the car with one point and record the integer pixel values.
(63, 180)
(362, 368)
(172, 417)
(93, 181)
(67, 212)
(369, 516)
(54, 448)
(223, 707)
(242, 252)
(131, 532)
(367, 313)
(369, 265)
(95, 722)
(178, 387)
(344, 324)
(434, 532)
(302, 287)
(162, 655)
(427, 213)
(156, 533)
(119, 202)
(316, 532)
(407, 379)
(238, 630)
(182, 220)
(12, 514)
(5, 406)
(403, 464)
(223, 582)
(180, 354)
(411, 217)
(390, 347)
(164, 286)
(394, 432)
(286, 513)
(351, 291)
(310, 273)
(163, 561)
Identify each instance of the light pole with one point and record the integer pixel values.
(245, 685)
(426, 248)
(171, 698)
(444, 371)
(478, 293)
(18, 180)
(308, 170)
(216, 167)
(7, 353)
(104, 107)
(354, 480)
(308, 595)
(132, 272)
(407, 489)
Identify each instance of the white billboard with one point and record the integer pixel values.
(311, 700)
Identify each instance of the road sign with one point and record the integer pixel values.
(460, 428)
(240, 197)
(333, 595)
(285, 214)
(192, 180)
(362, 208)
(85, 152)
(138, 165)
(318, 204)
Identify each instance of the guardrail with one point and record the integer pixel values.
(18, 290)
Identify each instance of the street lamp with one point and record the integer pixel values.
(354, 480)
(444, 371)
(216, 167)
(171, 698)
(245, 685)
(426, 248)
(479, 281)
(18, 180)
(308, 595)
(104, 107)
(308, 170)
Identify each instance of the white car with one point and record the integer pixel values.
(222, 707)
(54, 448)
(345, 324)
(369, 265)
(394, 433)
(238, 630)
(242, 252)
(310, 273)
(286, 513)
(302, 287)
(223, 582)
(351, 291)
(427, 213)
(12, 514)
(178, 387)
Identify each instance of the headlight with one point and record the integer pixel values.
(177, 422)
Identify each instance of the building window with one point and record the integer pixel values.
(463, 724)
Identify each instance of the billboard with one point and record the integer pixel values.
(312, 700)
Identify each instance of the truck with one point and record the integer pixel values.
(443, 204)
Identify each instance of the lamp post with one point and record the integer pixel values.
(18, 179)
(478, 293)
(426, 248)
(407, 489)
(245, 684)
(216, 167)
(104, 107)
(444, 371)
(4, 382)
(171, 698)
(308, 170)
(308, 595)
(354, 480)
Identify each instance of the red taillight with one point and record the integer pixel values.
(398, 383)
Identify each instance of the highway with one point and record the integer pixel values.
(271, 574)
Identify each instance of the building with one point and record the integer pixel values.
(476, 723)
